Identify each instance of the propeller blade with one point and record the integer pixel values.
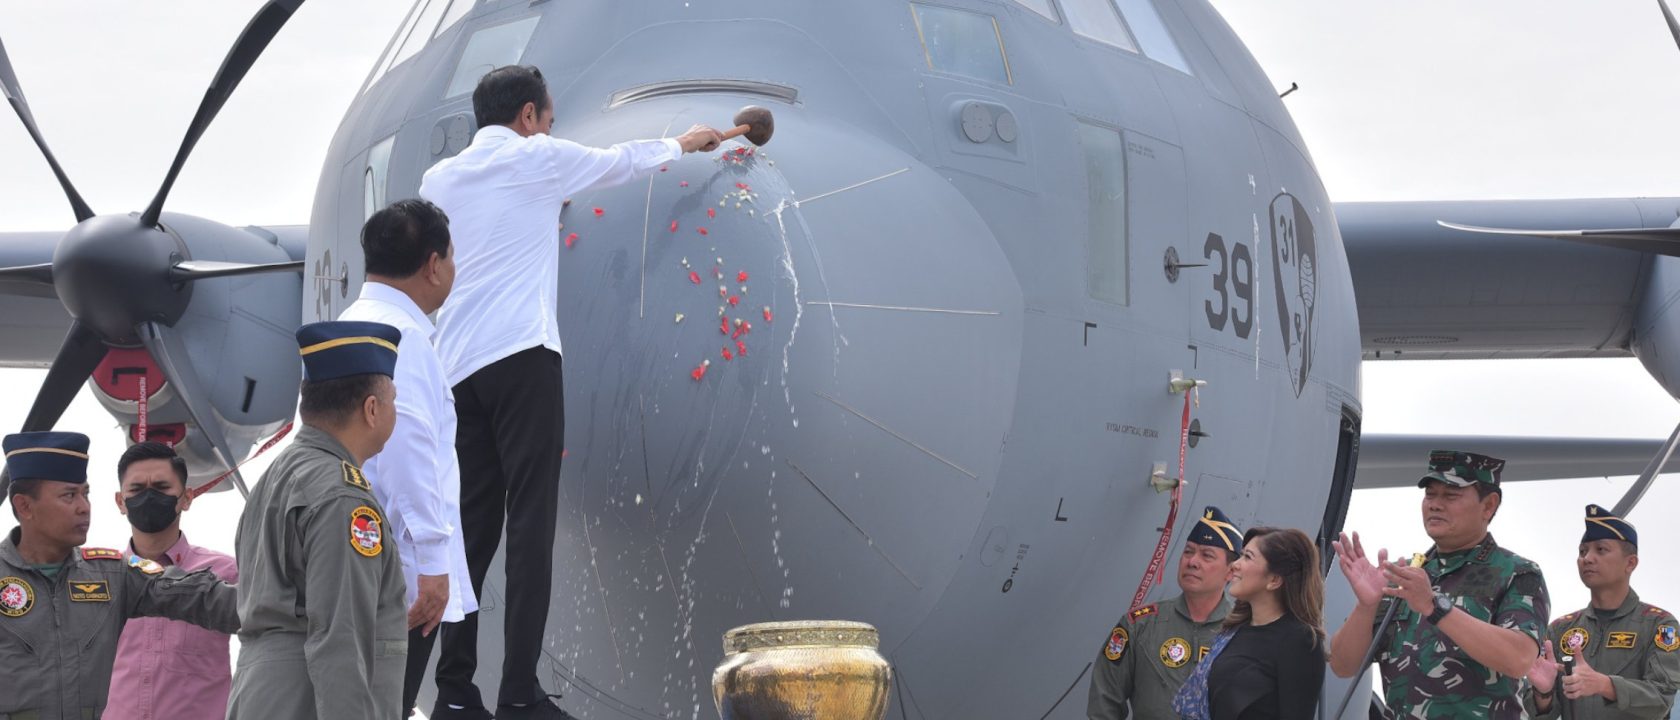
(1659, 241)
(1637, 490)
(77, 357)
(1673, 26)
(170, 354)
(244, 54)
(38, 274)
(205, 269)
(14, 95)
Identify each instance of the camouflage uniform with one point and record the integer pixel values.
(1426, 674)
(1147, 656)
(1636, 645)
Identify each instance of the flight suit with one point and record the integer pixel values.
(1147, 657)
(1428, 676)
(324, 627)
(1636, 644)
(58, 636)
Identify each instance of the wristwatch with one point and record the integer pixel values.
(1443, 605)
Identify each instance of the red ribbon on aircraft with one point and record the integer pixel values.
(1159, 559)
(207, 487)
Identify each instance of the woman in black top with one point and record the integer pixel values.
(1269, 662)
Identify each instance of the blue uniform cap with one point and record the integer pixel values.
(333, 350)
(1216, 530)
(1601, 525)
(60, 456)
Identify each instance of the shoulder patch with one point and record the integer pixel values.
(149, 567)
(353, 476)
(1667, 638)
(367, 536)
(1117, 641)
(101, 554)
(1654, 611)
(1145, 611)
(16, 597)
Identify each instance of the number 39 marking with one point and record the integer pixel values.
(1233, 274)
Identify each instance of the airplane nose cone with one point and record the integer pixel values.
(790, 374)
(112, 272)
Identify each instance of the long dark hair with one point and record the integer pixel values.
(1290, 555)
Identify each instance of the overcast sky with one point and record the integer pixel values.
(1426, 99)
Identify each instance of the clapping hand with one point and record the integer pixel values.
(1366, 579)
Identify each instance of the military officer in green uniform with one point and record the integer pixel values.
(1469, 621)
(324, 623)
(62, 606)
(1152, 650)
(1626, 664)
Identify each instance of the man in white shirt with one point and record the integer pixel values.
(410, 270)
(499, 339)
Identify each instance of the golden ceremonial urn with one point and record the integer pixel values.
(807, 670)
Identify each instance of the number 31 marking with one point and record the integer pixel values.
(1234, 272)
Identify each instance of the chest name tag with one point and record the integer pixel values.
(90, 591)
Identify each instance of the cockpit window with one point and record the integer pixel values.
(1042, 7)
(420, 32)
(375, 177)
(1098, 20)
(1152, 34)
(490, 48)
(962, 43)
(457, 10)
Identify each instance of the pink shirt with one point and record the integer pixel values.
(168, 669)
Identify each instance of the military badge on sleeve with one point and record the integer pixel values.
(366, 534)
(1668, 639)
(1116, 647)
(1574, 641)
(1175, 652)
(150, 567)
(16, 597)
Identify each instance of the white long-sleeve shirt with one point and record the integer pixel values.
(503, 195)
(417, 477)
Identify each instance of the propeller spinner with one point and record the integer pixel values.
(127, 279)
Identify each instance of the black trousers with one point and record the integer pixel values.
(510, 428)
(419, 655)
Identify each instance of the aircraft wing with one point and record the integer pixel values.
(1425, 291)
(1398, 460)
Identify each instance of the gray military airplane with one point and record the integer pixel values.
(910, 363)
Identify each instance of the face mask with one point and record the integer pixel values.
(151, 511)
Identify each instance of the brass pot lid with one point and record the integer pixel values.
(801, 633)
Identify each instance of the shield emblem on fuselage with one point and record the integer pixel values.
(1295, 275)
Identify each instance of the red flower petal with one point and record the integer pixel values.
(673, 226)
(703, 231)
(741, 276)
(741, 346)
(711, 212)
(599, 212)
(697, 373)
(663, 169)
(742, 186)
(683, 184)
(734, 300)
(728, 355)
(694, 277)
(723, 326)
(767, 316)
(572, 238)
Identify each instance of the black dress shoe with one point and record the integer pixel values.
(544, 709)
(442, 711)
